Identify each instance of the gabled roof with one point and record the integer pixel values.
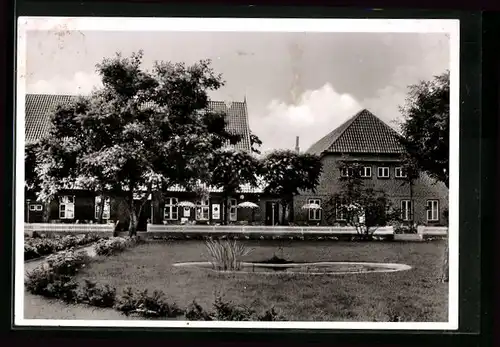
(363, 133)
(40, 106)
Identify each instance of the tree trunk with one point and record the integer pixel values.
(283, 209)
(226, 209)
(134, 221)
(101, 208)
(46, 212)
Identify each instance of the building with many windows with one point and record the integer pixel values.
(74, 205)
(364, 139)
(367, 141)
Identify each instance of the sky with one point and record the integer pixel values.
(295, 84)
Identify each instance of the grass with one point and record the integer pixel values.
(414, 295)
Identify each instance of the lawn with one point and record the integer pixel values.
(414, 295)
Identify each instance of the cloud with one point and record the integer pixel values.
(385, 104)
(315, 114)
(80, 83)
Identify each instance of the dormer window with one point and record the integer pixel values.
(346, 172)
(383, 172)
(366, 172)
(399, 172)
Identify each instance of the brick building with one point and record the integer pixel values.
(371, 143)
(74, 205)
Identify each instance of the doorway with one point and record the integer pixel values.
(272, 212)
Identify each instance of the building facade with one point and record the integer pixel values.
(370, 143)
(81, 206)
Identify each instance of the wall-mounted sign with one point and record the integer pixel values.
(187, 212)
(215, 211)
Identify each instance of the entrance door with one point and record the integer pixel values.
(272, 213)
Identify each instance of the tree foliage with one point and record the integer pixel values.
(286, 173)
(143, 130)
(360, 205)
(230, 170)
(426, 126)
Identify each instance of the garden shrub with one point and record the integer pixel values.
(41, 245)
(146, 305)
(114, 245)
(44, 281)
(228, 311)
(67, 262)
(195, 312)
(95, 294)
(54, 278)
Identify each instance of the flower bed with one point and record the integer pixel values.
(39, 246)
(55, 279)
(114, 245)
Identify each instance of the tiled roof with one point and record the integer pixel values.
(363, 133)
(246, 188)
(40, 106)
(37, 113)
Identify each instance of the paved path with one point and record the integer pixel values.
(38, 307)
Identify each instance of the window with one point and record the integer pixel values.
(399, 172)
(233, 210)
(171, 210)
(366, 171)
(346, 172)
(339, 210)
(35, 207)
(406, 210)
(67, 207)
(432, 210)
(383, 172)
(106, 209)
(314, 214)
(202, 209)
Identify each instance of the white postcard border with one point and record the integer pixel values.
(449, 26)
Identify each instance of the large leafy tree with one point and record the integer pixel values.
(230, 170)
(426, 131)
(360, 205)
(426, 126)
(142, 131)
(286, 173)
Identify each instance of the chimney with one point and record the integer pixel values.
(297, 148)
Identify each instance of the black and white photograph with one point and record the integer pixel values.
(237, 173)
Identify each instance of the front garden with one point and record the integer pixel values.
(129, 279)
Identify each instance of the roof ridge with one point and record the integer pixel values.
(346, 125)
(247, 120)
(336, 133)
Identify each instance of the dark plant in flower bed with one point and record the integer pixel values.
(227, 311)
(195, 312)
(67, 262)
(54, 279)
(95, 294)
(275, 260)
(147, 305)
(115, 245)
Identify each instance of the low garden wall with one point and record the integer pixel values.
(269, 230)
(63, 229)
(432, 231)
(156, 231)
